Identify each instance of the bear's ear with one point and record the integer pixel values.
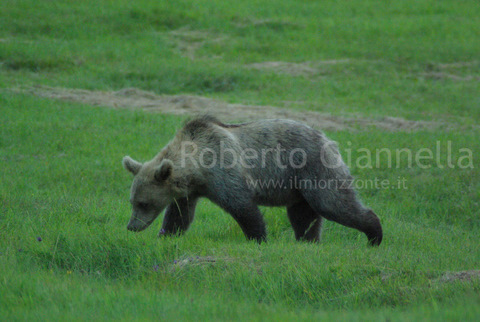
(164, 170)
(131, 165)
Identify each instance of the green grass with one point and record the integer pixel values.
(62, 178)
(396, 51)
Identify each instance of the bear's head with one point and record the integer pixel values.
(152, 190)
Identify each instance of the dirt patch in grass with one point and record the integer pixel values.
(460, 64)
(189, 262)
(274, 24)
(459, 71)
(456, 71)
(132, 98)
(459, 276)
(441, 75)
(295, 69)
(188, 42)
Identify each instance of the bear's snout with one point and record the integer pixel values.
(133, 227)
(139, 223)
(136, 225)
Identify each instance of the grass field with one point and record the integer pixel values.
(65, 252)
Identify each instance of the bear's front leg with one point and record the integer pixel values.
(236, 199)
(178, 216)
(250, 220)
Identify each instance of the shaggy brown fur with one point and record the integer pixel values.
(238, 167)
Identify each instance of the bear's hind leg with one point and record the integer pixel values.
(305, 222)
(343, 207)
(178, 216)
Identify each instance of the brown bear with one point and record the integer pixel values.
(240, 166)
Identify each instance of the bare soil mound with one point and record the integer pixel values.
(132, 98)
